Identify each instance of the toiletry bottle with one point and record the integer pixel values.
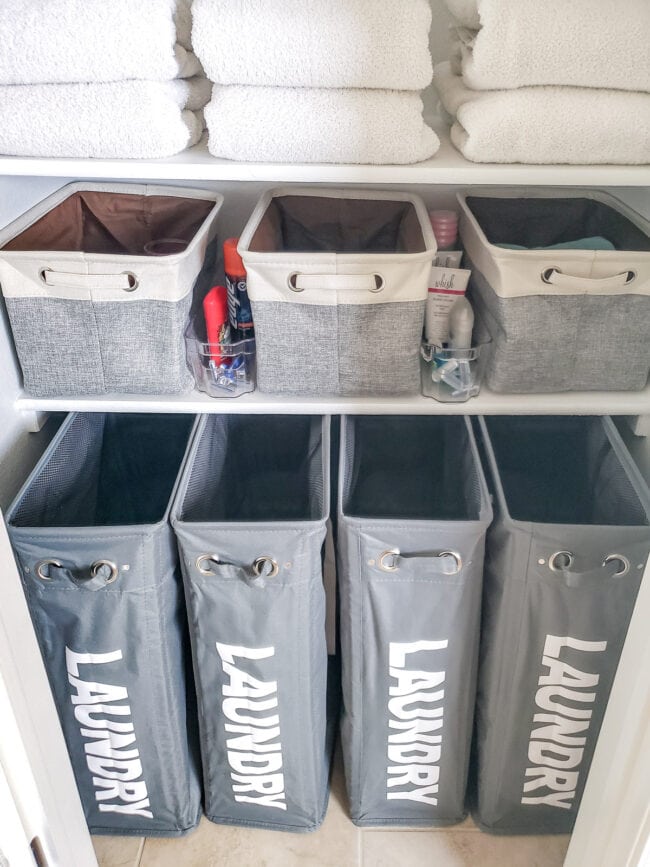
(445, 228)
(239, 306)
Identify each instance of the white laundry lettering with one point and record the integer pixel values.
(255, 756)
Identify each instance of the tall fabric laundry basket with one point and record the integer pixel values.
(250, 518)
(338, 281)
(564, 562)
(98, 279)
(561, 285)
(413, 511)
(99, 565)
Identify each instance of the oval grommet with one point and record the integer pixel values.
(625, 564)
(554, 563)
(133, 281)
(457, 558)
(384, 565)
(631, 277)
(258, 565)
(548, 273)
(38, 569)
(379, 284)
(291, 282)
(207, 558)
(98, 564)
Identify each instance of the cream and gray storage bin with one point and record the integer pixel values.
(250, 519)
(564, 562)
(97, 280)
(96, 553)
(338, 282)
(560, 318)
(413, 513)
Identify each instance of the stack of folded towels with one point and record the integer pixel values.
(334, 81)
(549, 82)
(99, 78)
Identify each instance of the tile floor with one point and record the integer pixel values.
(338, 843)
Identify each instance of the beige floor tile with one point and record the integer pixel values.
(118, 851)
(454, 849)
(335, 844)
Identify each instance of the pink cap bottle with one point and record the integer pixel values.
(445, 228)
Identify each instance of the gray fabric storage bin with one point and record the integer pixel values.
(572, 511)
(409, 620)
(92, 521)
(94, 307)
(559, 319)
(338, 281)
(250, 519)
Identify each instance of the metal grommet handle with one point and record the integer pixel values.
(457, 558)
(39, 568)
(625, 564)
(41, 274)
(207, 558)
(98, 564)
(546, 278)
(291, 282)
(379, 283)
(389, 566)
(258, 565)
(133, 281)
(554, 563)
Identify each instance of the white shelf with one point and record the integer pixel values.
(447, 167)
(487, 403)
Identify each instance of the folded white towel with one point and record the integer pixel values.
(126, 119)
(62, 41)
(573, 125)
(314, 43)
(305, 125)
(578, 43)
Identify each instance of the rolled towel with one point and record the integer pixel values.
(581, 43)
(542, 125)
(315, 43)
(305, 125)
(127, 119)
(62, 41)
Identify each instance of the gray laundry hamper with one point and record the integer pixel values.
(413, 512)
(99, 564)
(561, 286)
(97, 280)
(564, 562)
(250, 518)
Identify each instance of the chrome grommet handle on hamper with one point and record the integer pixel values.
(388, 561)
(560, 561)
(42, 564)
(127, 281)
(207, 558)
(625, 564)
(554, 276)
(374, 283)
(99, 567)
(260, 566)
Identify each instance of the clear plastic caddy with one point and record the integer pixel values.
(250, 518)
(99, 564)
(413, 511)
(564, 562)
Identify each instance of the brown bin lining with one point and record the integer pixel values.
(310, 224)
(113, 223)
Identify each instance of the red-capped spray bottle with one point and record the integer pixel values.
(239, 306)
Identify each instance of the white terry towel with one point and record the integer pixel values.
(543, 125)
(578, 43)
(314, 43)
(61, 41)
(127, 119)
(305, 125)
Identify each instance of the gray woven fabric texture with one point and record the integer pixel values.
(80, 347)
(543, 343)
(338, 349)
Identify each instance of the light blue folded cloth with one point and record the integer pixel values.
(594, 243)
